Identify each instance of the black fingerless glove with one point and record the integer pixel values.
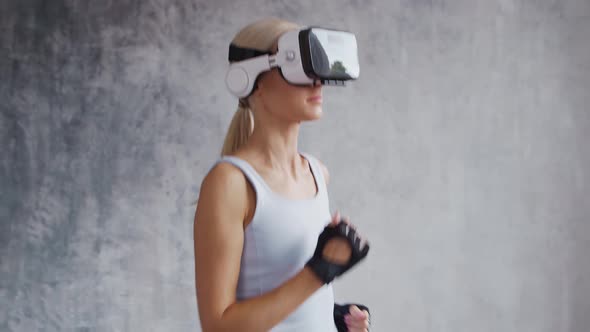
(327, 270)
(340, 310)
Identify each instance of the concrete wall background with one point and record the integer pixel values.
(461, 153)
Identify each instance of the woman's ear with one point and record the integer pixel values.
(259, 91)
(259, 82)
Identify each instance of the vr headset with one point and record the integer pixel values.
(304, 56)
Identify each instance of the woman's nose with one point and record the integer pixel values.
(317, 82)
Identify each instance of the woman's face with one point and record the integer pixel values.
(285, 101)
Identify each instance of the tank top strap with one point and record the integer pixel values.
(251, 174)
(317, 172)
(260, 185)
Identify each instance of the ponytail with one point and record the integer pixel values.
(239, 130)
(260, 35)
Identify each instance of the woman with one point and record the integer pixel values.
(259, 262)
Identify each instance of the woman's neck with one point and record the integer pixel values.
(277, 145)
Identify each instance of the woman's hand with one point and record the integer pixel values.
(357, 320)
(338, 250)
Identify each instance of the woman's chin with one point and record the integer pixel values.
(310, 113)
(315, 114)
(316, 111)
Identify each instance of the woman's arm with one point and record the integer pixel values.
(341, 311)
(218, 239)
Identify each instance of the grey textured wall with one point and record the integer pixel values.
(461, 153)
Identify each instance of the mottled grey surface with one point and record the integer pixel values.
(461, 153)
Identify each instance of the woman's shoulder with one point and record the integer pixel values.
(223, 177)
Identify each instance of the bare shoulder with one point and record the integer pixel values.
(224, 185)
(222, 176)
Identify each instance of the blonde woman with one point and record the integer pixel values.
(266, 244)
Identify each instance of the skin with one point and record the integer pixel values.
(226, 206)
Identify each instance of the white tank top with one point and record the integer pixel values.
(279, 240)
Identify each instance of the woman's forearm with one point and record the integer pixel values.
(263, 312)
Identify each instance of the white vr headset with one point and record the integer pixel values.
(304, 57)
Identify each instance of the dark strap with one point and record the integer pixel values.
(237, 53)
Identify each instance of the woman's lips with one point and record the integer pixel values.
(315, 99)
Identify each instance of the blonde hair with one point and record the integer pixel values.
(261, 35)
